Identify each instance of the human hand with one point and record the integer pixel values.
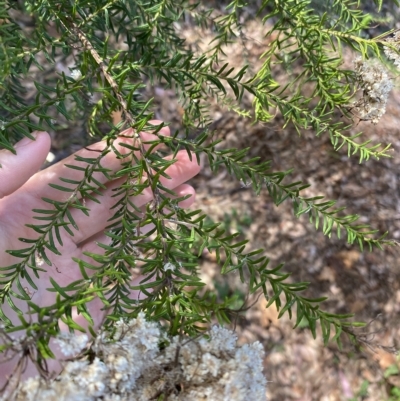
(22, 190)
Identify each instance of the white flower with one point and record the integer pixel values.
(50, 157)
(2, 125)
(38, 259)
(222, 339)
(91, 98)
(71, 344)
(211, 364)
(76, 74)
(169, 266)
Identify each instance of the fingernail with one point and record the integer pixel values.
(26, 141)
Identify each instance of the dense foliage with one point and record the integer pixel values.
(120, 47)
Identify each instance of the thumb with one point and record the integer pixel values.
(15, 170)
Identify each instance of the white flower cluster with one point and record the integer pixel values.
(376, 86)
(391, 53)
(130, 366)
(214, 370)
(70, 344)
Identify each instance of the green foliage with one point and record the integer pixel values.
(115, 45)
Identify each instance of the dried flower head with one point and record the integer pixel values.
(71, 344)
(376, 85)
(393, 53)
(129, 365)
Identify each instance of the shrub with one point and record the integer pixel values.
(115, 51)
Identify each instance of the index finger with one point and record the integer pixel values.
(16, 169)
(39, 187)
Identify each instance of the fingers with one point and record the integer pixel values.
(181, 171)
(41, 188)
(90, 244)
(185, 190)
(17, 169)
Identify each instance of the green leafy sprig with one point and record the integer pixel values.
(119, 48)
